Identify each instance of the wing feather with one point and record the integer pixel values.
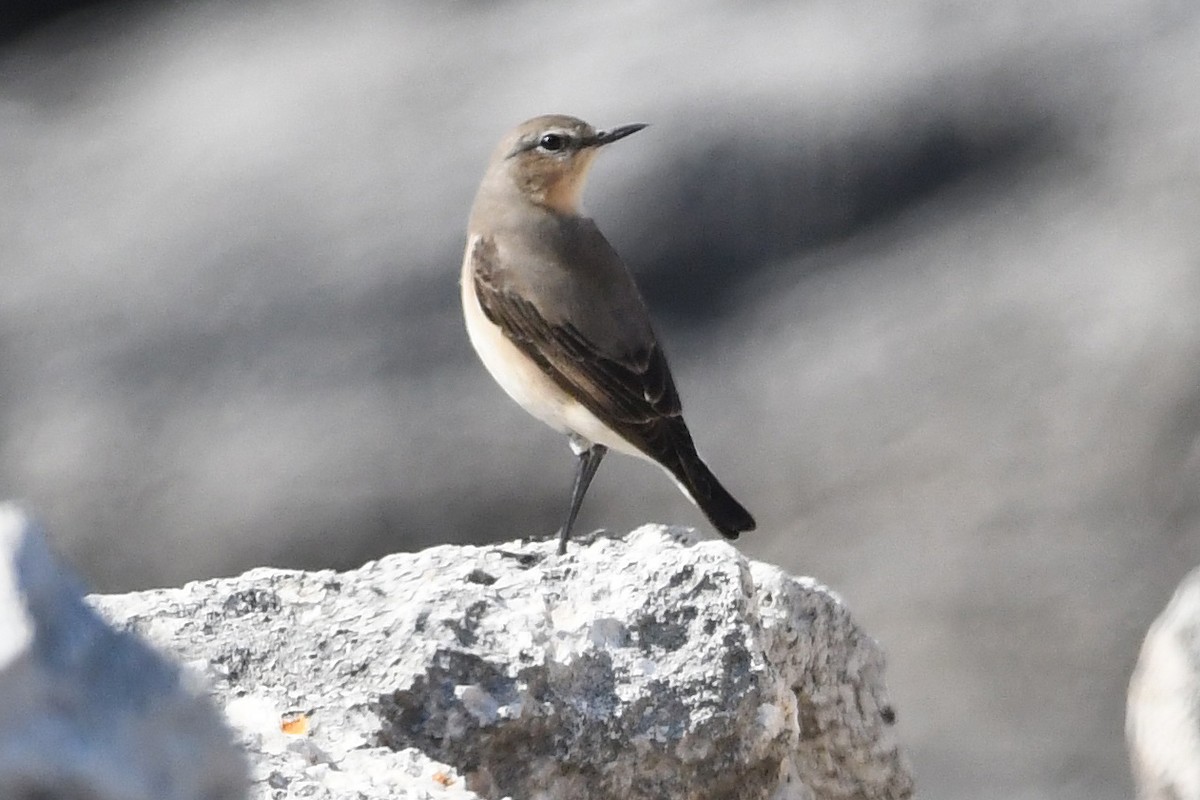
(632, 392)
(629, 388)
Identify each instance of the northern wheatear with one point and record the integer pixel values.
(557, 319)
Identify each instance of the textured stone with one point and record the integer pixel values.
(648, 666)
(1163, 714)
(90, 713)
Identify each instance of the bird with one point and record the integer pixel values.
(557, 319)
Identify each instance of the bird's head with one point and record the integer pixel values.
(547, 158)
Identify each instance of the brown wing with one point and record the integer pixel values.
(632, 392)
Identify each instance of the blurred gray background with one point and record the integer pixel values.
(928, 273)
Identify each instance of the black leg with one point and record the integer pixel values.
(585, 468)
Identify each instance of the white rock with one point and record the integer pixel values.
(89, 713)
(1163, 713)
(645, 667)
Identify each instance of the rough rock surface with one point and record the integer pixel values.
(90, 713)
(1163, 713)
(649, 666)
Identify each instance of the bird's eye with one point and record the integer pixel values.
(552, 142)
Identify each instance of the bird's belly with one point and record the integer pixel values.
(535, 391)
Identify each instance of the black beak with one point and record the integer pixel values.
(610, 136)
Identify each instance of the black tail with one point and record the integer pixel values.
(666, 439)
(727, 515)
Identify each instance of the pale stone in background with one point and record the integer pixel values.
(1163, 714)
(89, 713)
